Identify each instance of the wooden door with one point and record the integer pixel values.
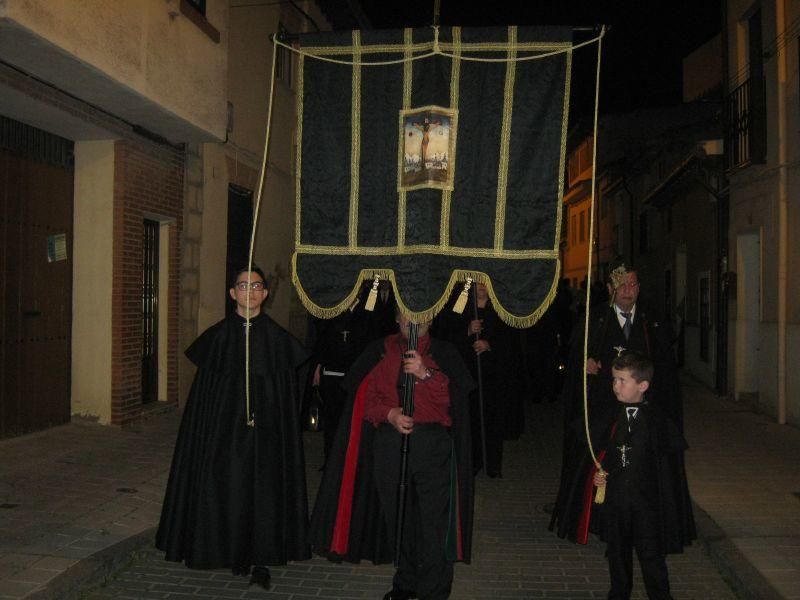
(36, 203)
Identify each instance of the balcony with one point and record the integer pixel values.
(745, 121)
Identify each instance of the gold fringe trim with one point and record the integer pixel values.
(428, 314)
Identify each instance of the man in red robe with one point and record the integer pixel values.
(356, 509)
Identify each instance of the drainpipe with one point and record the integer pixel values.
(783, 208)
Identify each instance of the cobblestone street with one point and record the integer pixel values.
(515, 556)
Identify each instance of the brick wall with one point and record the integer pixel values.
(148, 183)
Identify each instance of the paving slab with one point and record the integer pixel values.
(83, 526)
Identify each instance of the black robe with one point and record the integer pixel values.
(648, 336)
(500, 367)
(365, 529)
(659, 482)
(237, 494)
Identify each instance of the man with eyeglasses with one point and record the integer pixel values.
(623, 324)
(236, 496)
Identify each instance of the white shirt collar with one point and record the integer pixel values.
(620, 318)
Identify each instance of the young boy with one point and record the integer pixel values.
(647, 505)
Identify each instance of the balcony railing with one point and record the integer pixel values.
(745, 120)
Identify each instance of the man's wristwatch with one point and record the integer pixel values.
(428, 374)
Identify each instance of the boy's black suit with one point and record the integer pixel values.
(647, 503)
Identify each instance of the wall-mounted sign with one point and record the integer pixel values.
(57, 247)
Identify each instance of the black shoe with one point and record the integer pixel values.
(242, 570)
(395, 594)
(261, 577)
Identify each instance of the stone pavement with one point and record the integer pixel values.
(744, 472)
(78, 504)
(72, 492)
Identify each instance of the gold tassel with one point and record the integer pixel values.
(600, 495)
(461, 302)
(373, 294)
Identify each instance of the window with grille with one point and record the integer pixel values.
(150, 249)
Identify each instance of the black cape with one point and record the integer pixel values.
(367, 538)
(648, 336)
(667, 475)
(500, 367)
(237, 494)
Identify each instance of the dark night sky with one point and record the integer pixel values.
(641, 54)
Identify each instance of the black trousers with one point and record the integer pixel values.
(630, 525)
(494, 417)
(423, 567)
(333, 399)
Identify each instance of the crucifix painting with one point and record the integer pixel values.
(428, 137)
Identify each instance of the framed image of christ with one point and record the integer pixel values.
(427, 148)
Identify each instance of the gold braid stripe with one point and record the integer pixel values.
(408, 72)
(355, 143)
(299, 155)
(562, 166)
(427, 249)
(505, 142)
(447, 195)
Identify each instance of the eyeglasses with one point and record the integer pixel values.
(630, 286)
(256, 286)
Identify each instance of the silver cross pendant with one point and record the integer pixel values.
(624, 455)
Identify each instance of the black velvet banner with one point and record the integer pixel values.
(430, 170)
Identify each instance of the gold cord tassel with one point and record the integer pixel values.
(600, 495)
(373, 294)
(461, 302)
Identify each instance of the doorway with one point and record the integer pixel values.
(748, 314)
(36, 208)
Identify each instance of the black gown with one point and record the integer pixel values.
(364, 526)
(656, 481)
(340, 340)
(648, 336)
(237, 494)
(500, 369)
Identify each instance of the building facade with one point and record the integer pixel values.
(660, 208)
(762, 154)
(131, 139)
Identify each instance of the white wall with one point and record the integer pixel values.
(92, 275)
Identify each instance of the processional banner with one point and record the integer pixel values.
(443, 161)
